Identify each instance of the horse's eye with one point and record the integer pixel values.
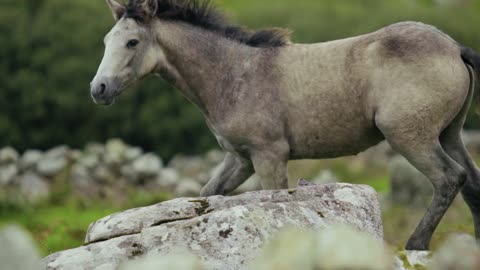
(132, 43)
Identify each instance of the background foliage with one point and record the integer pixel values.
(50, 51)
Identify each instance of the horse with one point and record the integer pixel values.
(268, 100)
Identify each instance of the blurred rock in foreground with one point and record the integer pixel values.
(17, 250)
(335, 247)
(226, 232)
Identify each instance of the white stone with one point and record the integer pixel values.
(33, 188)
(168, 179)
(187, 188)
(8, 174)
(8, 155)
(148, 165)
(30, 159)
(114, 153)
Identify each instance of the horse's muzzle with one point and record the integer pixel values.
(104, 91)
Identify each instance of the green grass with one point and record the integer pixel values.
(63, 225)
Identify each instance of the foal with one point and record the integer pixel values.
(268, 100)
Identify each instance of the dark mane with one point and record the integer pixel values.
(201, 13)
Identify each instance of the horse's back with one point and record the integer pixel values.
(338, 88)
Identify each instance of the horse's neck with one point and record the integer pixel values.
(203, 64)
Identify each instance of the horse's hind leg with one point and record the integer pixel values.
(451, 141)
(423, 150)
(453, 145)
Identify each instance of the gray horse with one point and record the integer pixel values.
(269, 101)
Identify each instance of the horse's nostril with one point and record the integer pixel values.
(102, 88)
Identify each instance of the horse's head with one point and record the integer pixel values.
(131, 51)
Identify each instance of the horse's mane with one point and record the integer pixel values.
(203, 14)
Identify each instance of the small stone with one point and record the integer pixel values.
(133, 153)
(115, 152)
(33, 188)
(103, 174)
(8, 174)
(304, 183)
(188, 188)
(89, 160)
(148, 165)
(51, 166)
(8, 155)
(168, 179)
(60, 152)
(214, 157)
(95, 149)
(30, 159)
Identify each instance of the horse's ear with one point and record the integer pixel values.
(117, 9)
(150, 7)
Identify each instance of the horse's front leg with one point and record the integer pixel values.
(270, 163)
(230, 175)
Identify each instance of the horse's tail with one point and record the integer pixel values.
(472, 58)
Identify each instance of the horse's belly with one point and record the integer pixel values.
(337, 141)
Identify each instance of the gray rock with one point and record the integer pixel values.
(30, 159)
(8, 155)
(8, 174)
(408, 185)
(53, 162)
(252, 184)
(226, 232)
(89, 160)
(114, 154)
(458, 252)
(17, 250)
(168, 179)
(133, 153)
(192, 167)
(148, 165)
(335, 248)
(51, 167)
(33, 188)
(214, 157)
(95, 149)
(103, 174)
(58, 152)
(83, 183)
(187, 188)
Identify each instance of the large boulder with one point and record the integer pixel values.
(225, 232)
